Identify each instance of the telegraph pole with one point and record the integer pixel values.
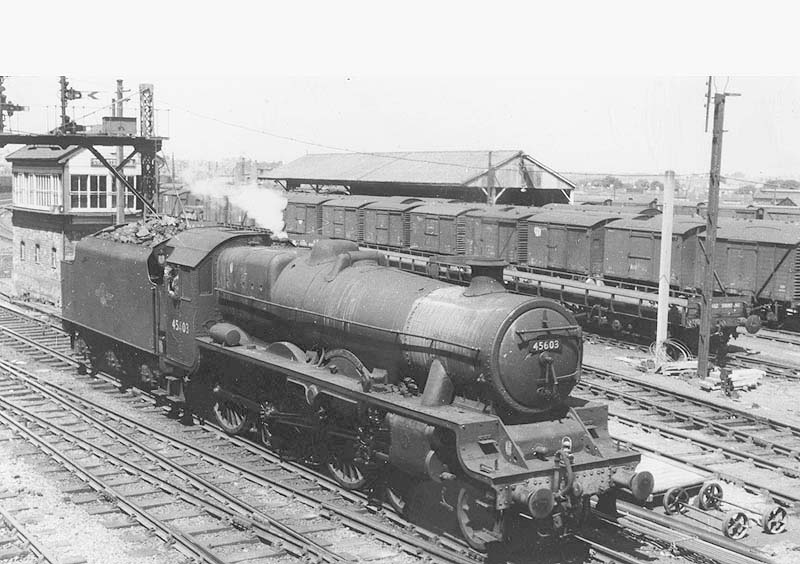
(119, 187)
(2, 103)
(490, 191)
(665, 264)
(711, 231)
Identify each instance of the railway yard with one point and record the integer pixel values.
(411, 357)
(94, 470)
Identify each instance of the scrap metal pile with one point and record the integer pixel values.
(149, 231)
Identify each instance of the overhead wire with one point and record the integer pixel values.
(392, 155)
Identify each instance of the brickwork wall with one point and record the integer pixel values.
(40, 279)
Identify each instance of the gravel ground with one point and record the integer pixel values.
(64, 528)
(777, 399)
(774, 398)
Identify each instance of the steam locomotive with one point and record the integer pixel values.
(382, 376)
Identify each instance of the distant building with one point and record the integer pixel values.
(501, 177)
(262, 170)
(776, 197)
(59, 195)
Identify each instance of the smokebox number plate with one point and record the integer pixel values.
(544, 344)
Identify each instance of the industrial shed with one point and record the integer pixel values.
(498, 177)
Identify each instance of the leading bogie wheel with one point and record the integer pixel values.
(396, 500)
(480, 525)
(344, 469)
(231, 416)
(735, 525)
(709, 496)
(675, 501)
(773, 520)
(397, 491)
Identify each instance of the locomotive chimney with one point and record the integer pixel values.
(487, 276)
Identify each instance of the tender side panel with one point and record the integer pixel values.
(108, 290)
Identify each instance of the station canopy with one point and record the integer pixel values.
(510, 177)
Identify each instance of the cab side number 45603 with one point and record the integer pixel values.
(180, 326)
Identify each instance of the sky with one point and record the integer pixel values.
(578, 90)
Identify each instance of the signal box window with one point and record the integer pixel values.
(37, 253)
(22, 250)
(79, 191)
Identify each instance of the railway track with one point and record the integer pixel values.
(761, 454)
(772, 367)
(287, 514)
(39, 339)
(778, 336)
(326, 499)
(17, 544)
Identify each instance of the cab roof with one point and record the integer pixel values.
(190, 247)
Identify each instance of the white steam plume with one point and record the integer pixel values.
(263, 204)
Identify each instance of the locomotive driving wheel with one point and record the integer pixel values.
(479, 522)
(231, 416)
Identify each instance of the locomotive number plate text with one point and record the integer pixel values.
(542, 345)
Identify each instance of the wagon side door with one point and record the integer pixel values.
(369, 226)
(556, 244)
(597, 237)
(293, 218)
(434, 235)
(382, 228)
(489, 240)
(537, 244)
(640, 255)
(741, 262)
(338, 226)
(507, 241)
(576, 252)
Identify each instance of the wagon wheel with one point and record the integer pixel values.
(773, 520)
(479, 524)
(709, 496)
(231, 416)
(735, 524)
(345, 470)
(675, 501)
